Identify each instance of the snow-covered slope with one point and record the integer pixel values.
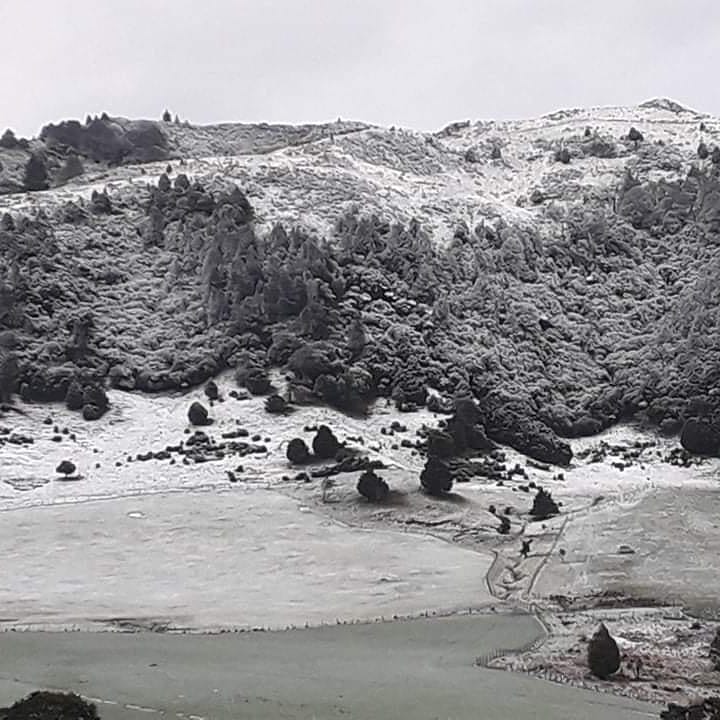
(551, 257)
(311, 173)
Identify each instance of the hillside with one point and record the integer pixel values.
(561, 269)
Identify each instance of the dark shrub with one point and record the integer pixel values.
(258, 382)
(700, 437)
(71, 168)
(211, 390)
(331, 389)
(543, 505)
(634, 135)
(100, 203)
(94, 394)
(66, 468)
(313, 360)
(9, 370)
(702, 151)
(92, 412)
(276, 405)
(298, 452)
(8, 141)
(47, 705)
(74, 396)
(563, 156)
(198, 414)
(325, 444)
(284, 344)
(166, 116)
(436, 478)
(715, 650)
(36, 177)
(603, 655)
(372, 486)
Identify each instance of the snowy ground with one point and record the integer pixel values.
(672, 650)
(576, 554)
(132, 544)
(223, 559)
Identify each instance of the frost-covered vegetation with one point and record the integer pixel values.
(598, 304)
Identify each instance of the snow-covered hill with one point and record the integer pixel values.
(551, 261)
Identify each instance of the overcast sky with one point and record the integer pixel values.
(413, 63)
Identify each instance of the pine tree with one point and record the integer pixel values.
(603, 654)
(36, 177)
(8, 141)
(357, 337)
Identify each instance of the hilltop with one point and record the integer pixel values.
(562, 269)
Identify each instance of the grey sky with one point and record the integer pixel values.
(413, 63)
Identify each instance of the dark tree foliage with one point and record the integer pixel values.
(276, 405)
(258, 382)
(634, 135)
(198, 414)
(700, 437)
(298, 452)
(543, 505)
(440, 444)
(603, 655)
(325, 444)
(563, 156)
(211, 390)
(36, 176)
(371, 486)
(72, 167)
(702, 151)
(357, 337)
(65, 468)
(8, 141)
(74, 396)
(9, 371)
(47, 705)
(166, 116)
(715, 650)
(436, 478)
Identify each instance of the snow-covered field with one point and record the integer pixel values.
(180, 545)
(219, 560)
(156, 542)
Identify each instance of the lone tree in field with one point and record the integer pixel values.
(372, 486)
(48, 705)
(325, 444)
(198, 414)
(66, 468)
(543, 505)
(167, 117)
(298, 452)
(436, 478)
(603, 654)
